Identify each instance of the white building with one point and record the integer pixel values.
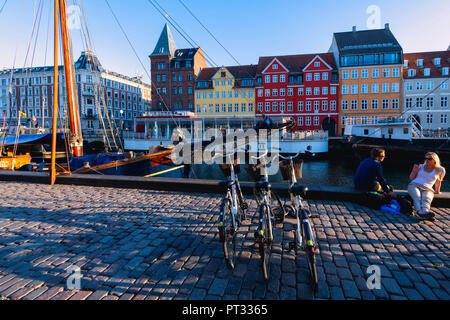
(30, 91)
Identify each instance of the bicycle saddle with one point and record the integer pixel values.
(263, 184)
(298, 190)
(226, 183)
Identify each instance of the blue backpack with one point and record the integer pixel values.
(392, 206)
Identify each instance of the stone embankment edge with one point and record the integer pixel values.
(330, 193)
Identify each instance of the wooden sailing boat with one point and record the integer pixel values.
(155, 164)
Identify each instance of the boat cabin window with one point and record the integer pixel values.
(405, 130)
(366, 132)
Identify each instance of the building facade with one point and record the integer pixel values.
(100, 92)
(304, 87)
(173, 73)
(425, 89)
(225, 92)
(370, 66)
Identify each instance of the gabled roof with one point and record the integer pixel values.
(166, 44)
(428, 62)
(238, 72)
(296, 63)
(366, 41)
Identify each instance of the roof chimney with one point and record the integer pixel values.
(386, 26)
(354, 29)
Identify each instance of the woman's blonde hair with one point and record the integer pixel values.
(435, 158)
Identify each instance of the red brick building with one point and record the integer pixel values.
(304, 87)
(173, 73)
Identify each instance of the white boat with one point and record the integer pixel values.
(156, 129)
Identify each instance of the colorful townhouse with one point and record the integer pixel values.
(425, 89)
(304, 87)
(370, 64)
(225, 92)
(173, 73)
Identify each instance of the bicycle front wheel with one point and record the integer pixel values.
(312, 269)
(228, 234)
(265, 241)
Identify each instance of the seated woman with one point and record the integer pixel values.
(423, 177)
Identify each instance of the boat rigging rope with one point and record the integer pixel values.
(142, 65)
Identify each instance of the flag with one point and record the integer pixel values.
(22, 114)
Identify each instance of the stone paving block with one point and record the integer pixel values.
(218, 287)
(425, 291)
(336, 293)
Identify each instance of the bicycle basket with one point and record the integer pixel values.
(226, 168)
(285, 168)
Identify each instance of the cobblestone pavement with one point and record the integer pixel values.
(141, 244)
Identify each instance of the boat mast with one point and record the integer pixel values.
(76, 142)
(55, 97)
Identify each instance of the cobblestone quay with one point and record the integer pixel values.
(142, 244)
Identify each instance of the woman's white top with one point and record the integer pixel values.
(427, 179)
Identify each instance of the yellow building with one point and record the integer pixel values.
(370, 76)
(226, 92)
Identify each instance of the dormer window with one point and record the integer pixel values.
(317, 64)
(426, 72)
(223, 74)
(420, 63)
(411, 72)
(275, 67)
(405, 64)
(437, 62)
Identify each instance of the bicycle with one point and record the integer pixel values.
(303, 235)
(264, 233)
(233, 209)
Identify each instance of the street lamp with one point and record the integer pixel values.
(121, 118)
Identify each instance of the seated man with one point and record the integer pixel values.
(369, 175)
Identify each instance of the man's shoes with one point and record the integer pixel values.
(427, 216)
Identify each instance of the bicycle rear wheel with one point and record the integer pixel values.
(228, 234)
(278, 211)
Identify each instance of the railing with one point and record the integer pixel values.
(298, 135)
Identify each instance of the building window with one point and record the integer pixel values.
(364, 88)
(308, 76)
(419, 102)
(267, 92)
(354, 89)
(386, 73)
(364, 74)
(282, 106)
(250, 107)
(344, 105)
(345, 89)
(282, 92)
(375, 73)
(324, 91)
(375, 88)
(236, 107)
(364, 104)
(395, 103)
(332, 90)
(300, 121)
(275, 92)
(290, 92)
(429, 102)
(345, 74)
(395, 72)
(430, 85)
(267, 106)
(300, 106)
(325, 105)
(316, 76)
(333, 105)
(316, 106)
(444, 102)
(444, 118)
(411, 73)
(308, 105)
(408, 102)
(290, 106)
(316, 121)
(429, 118)
(300, 91)
(308, 91)
(444, 84)
(267, 79)
(308, 121)
(260, 92)
(354, 74)
(324, 75)
(375, 104)
(354, 105)
(395, 87)
(260, 107)
(316, 91)
(385, 104)
(275, 106)
(275, 78)
(385, 87)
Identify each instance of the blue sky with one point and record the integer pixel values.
(246, 28)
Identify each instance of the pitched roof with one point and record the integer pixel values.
(428, 62)
(188, 53)
(296, 63)
(166, 44)
(366, 41)
(86, 58)
(238, 72)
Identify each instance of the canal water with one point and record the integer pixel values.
(324, 173)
